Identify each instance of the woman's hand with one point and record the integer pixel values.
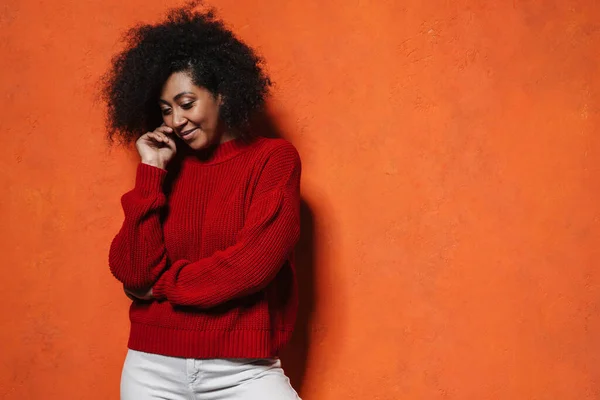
(157, 148)
(142, 295)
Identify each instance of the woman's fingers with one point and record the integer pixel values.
(131, 297)
(164, 131)
(158, 137)
(129, 294)
(160, 134)
(143, 295)
(167, 130)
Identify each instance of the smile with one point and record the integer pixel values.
(184, 134)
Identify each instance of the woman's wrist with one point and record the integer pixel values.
(155, 163)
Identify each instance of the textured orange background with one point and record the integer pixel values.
(451, 177)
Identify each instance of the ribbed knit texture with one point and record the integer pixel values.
(214, 239)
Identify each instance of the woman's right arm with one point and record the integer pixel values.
(137, 254)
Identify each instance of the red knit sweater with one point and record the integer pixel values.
(214, 238)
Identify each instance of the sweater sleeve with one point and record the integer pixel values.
(269, 234)
(137, 254)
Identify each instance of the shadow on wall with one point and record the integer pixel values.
(295, 355)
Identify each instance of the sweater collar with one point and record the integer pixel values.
(222, 151)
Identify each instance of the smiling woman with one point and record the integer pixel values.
(212, 281)
(192, 112)
(196, 44)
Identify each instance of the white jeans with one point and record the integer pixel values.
(151, 376)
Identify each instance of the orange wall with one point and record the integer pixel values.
(451, 175)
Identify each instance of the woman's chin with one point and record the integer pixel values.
(197, 146)
(200, 142)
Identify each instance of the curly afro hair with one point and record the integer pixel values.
(192, 41)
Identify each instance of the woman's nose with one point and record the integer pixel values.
(178, 119)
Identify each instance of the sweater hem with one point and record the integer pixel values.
(207, 343)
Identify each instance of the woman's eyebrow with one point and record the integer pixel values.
(175, 98)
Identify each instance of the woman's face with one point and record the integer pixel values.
(191, 111)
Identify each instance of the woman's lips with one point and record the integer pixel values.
(186, 134)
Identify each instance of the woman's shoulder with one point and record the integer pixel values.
(276, 148)
(268, 144)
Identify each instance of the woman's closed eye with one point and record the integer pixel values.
(187, 106)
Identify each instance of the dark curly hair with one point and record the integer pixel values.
(187, 40)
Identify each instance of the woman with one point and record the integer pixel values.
(205, 247)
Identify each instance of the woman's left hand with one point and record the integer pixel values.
(139, 295)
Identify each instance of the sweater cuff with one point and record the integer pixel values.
(149, 179)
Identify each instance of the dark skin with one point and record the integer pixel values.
(186, 40)
(192, 113)
(228, 87)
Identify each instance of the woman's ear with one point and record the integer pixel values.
(220, 99)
